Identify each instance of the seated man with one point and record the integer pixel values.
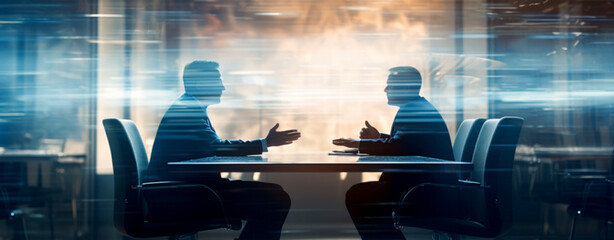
(186, 132)
(418, 129)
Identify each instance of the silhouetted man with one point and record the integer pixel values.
(185, 132)
(418, 129)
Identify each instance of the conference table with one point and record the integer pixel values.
(316, 182)
(318, 162)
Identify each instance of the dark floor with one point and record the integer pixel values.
(323, 217)
(37, 227)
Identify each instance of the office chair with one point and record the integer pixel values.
(465, 139)
(597, 203)
(596, 200)
(153, 209)
(479, 207)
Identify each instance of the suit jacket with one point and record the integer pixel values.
(418, 129)
(185, 132)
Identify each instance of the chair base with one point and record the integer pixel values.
(189, 236)
(444, 236)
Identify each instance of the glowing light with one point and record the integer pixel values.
(102, 15)
(275, 14)
(250, 73)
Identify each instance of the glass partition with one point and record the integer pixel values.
(320, 67)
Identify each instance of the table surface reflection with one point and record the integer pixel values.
(318, 162)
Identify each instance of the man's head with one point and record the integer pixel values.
(403, 84)
(202, 79)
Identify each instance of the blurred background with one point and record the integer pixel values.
(317, 66)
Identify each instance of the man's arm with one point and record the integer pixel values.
(425, 142)
(257, 146)
(212, 145)
(238, 147)
(381, 146)
(370, 132)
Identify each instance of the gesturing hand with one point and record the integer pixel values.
(346, 142)
(275, 138)
(368, 132)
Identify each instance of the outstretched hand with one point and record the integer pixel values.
(346, 142)
(369, 132)
(275, 138)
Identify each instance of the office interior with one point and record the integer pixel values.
(317, 66)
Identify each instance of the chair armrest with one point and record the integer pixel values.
(167, 200)
(469, 183)
(433, 188)
(161, 183)
(585, 177)
(439, 200)
(170, 185)
(587, 172)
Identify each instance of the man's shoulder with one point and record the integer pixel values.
(186, 103)
(418, 104)
(418, 100)
(184, 110)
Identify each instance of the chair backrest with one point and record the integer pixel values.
(465, 139)
(492, 162)
(129, 164)
(495, 148)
